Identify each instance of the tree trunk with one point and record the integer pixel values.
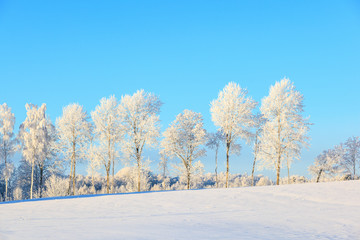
(252, 172)
(279, 153)
(278, 170)
(108, 177)
(70, 176)
(139, 172)
(6, 177)
(74, 178)
(318, 177)
(255, 154)
(227, 163)
(354, 170)
(32, 179)
(41, 180)
(188, 179)
(288, 170)
(216, 166)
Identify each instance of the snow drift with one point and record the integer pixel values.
(303, 211)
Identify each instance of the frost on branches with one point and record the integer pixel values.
(139, 116)
(7, 144)
(352, 155)
(184, 139)
(232, 113)
(37, 136)
(107, 133)
(74, 131)
(285, 131)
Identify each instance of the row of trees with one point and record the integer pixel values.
(123, 129)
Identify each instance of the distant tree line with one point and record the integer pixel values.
(120, 130)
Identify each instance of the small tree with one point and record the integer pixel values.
(74, 132)
(7, 143)
(184, 139)
(352, 155)
(213, 142)
(139, 115)
(232, 113)
(329, 162)
(108, 132)
(285, 131)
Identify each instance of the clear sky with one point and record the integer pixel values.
(59, 52)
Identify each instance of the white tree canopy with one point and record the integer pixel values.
(285, 131)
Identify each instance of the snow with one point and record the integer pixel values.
(303, 211)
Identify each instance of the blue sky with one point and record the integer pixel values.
(59, 52)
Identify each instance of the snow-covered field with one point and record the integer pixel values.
(304, 211)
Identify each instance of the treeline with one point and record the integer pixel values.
(121, 130)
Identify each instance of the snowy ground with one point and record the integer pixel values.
(304, 211)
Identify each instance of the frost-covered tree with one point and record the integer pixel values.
(108, 132)
(232, 113)
(285, 131)
(329, 162)
(139, 116)
(74, 131)
(352, 155)
(214, 141)
(33, 137)
(7, 143)
(259, 122)
(184, 139)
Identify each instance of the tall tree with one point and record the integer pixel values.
(214, 141)
(232, 113)
(108, 133)
(7, 142)
(184, 139)
(259, 122)
(74, 131)
(352, 156)
(285, 131)
(33, 137)
(139, 116)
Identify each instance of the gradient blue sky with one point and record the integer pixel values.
(59, 52)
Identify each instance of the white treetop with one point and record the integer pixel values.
(352, 156)
(285, 131)
(232, 113)
(108, 132)
(74, 132)
(33, 137)
(7, 142)
(184, 139)
(139, 116)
